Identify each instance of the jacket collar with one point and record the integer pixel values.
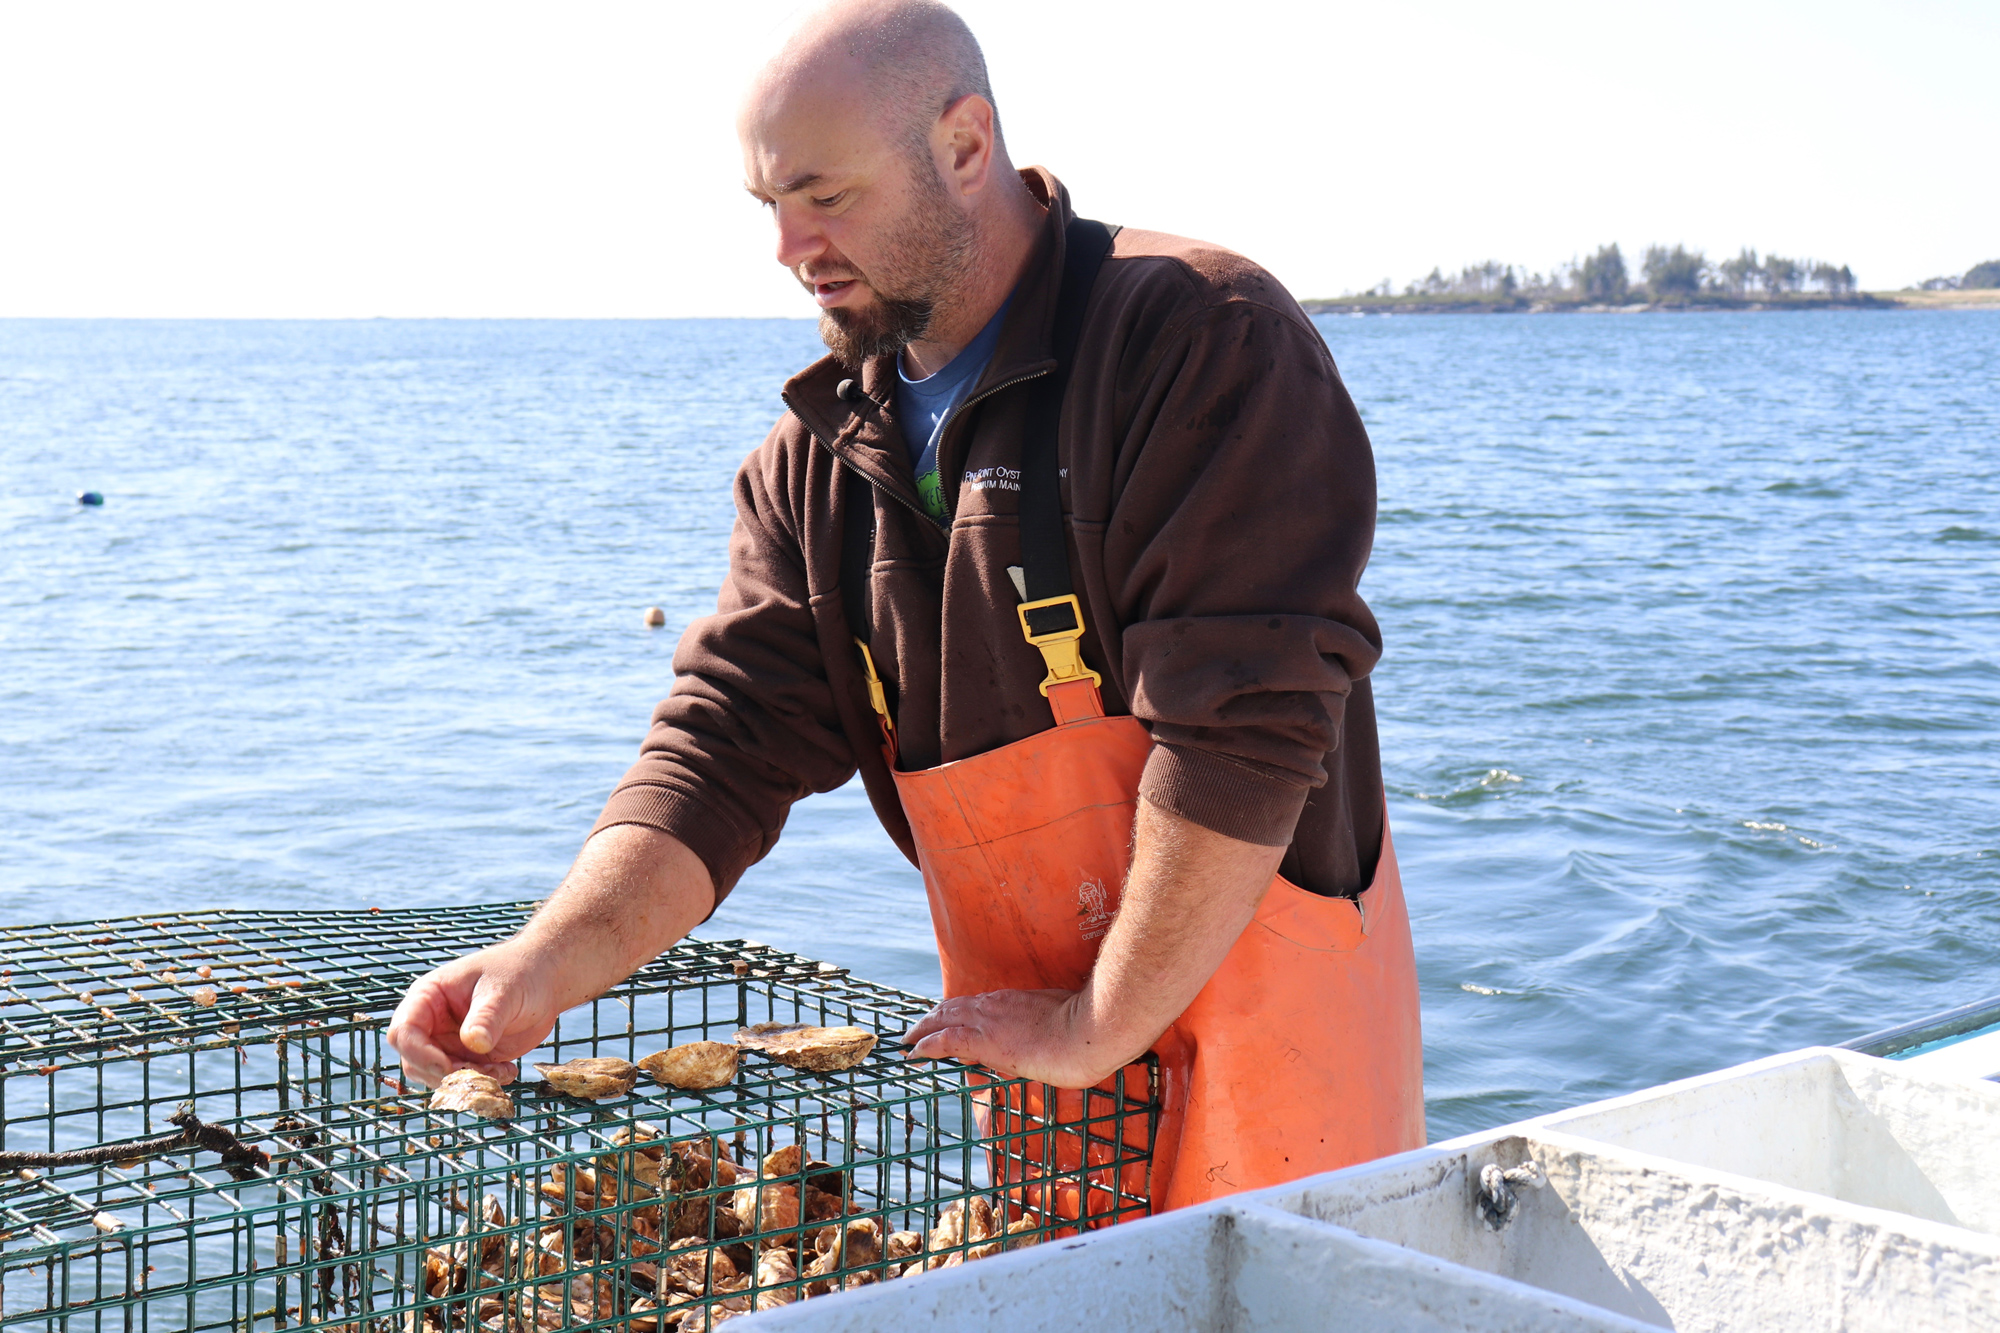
(863, 432)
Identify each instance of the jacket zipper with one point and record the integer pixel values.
(835, 455)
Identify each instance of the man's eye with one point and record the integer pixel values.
(830, 200)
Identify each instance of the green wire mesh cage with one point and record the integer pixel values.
(201, 1127)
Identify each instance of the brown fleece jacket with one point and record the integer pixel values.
(1220, 496)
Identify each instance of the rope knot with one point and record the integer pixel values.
(1498, 1201)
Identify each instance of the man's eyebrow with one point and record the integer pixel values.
(793, 184)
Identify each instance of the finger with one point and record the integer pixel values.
(411, 1015)
(951, 1043)
(411, 1037)
(425, 1065)
(948, 1014)
(924, 1026)
(493, 1010)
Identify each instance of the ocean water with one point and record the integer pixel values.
(1689, 707)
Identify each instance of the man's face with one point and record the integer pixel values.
(865, 223)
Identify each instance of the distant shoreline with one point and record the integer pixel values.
(1426, 304)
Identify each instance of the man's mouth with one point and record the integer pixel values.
(833, 293)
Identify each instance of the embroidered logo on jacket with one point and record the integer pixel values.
(993, 479)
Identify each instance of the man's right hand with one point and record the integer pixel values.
(632, 893)
(483, 1011)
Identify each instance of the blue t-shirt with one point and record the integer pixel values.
(923, 405)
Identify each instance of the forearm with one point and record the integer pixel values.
(632, 894)
(1189, 896)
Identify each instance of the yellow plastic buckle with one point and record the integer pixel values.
(1060, 648)
(878, 697)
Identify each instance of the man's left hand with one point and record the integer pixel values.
(1190, 894)
(1042, 1035)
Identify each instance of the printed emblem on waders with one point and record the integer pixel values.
(1094, 914)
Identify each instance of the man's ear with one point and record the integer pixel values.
(965, 141)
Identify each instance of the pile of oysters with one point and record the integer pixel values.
(699, 1237)
(710, 1239)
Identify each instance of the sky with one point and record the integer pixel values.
(437, 158)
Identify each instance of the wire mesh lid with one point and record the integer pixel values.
(82, 989)
(352, 1202)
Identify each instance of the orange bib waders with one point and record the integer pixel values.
(1301, 1054)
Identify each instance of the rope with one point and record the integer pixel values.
(1497, 1200)
(242, 1161)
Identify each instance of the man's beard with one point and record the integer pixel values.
(924, 270)
(885, 326)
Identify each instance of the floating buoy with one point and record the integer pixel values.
(655, 617)
(89, 498)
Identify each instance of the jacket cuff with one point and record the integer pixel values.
(1223, 795)
(713, 835)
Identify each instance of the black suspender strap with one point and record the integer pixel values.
(1051, 616)
(857, 595)
(1044, 551)
(857, 552)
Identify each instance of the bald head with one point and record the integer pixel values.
(901, 62)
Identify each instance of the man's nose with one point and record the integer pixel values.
(799, 236)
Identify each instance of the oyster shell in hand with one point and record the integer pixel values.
(471, 1091)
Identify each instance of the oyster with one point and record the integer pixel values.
(695, 1164)
(698, 1064)
(775, 1269)
(857, 1244)
(593, 1079)
(819, 1206)
(949, 1233)
(695, 1262)
(654, 1147)
(581, 1184)
(982, 1224)
(768, 1208)
(469, 1090)
(791, 1159)
(820, 1050)
(785, 1161)
(642, 1164)
(960, 1225)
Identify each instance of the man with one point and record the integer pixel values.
(1059, 548)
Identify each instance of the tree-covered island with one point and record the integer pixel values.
(1668, 278)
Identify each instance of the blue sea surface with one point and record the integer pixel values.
(1690, 709)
